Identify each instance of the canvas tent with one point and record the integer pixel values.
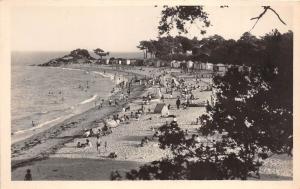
(157, 93)
(162, 109)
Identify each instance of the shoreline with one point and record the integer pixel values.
(67, 162)
(26, 150)
(23, 134)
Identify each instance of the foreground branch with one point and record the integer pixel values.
(266, 8)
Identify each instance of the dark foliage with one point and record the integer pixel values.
(180, 16)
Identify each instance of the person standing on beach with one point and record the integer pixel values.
(98, 144)
(178, 103)
(28, 176)
(105, 146)
(128, 92)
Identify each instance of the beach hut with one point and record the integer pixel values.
(221, 67)
(162, 109)
(202, 66)
(157, 63)
(196, 66)
(190, 64)
(209, 66)
(127, 62)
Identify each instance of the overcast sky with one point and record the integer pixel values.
(121, 28)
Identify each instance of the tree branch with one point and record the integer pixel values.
(266, 8)
(277, 16)
(260, 16)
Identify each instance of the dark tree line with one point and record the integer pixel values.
(248, 50)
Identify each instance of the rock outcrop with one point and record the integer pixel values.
(77, 56)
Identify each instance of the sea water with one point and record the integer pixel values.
(46, 95)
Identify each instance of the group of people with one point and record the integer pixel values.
(90, 133)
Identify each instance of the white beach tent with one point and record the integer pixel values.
(158, 94)
(162, 109)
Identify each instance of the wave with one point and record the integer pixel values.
(73, 107)
(56, 119)
(89, 100)
(39, 125)
(72, 69)
(111, 76)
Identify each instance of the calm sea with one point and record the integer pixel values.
(45, 95)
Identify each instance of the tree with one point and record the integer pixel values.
(251, 120)
(100, 52)
(180, 16)
(186, 43)
(143, 46)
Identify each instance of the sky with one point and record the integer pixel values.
(120, 28)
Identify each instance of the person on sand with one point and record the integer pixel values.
(28, 175)
(188, 103)
(178, 103)
(88, 144)
(91, 133)
(116, 102)
(87, 133)
(78, 145)
(33, 124)
(174, 122)
(105, 146)
(98, 144)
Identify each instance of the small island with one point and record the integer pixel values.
(77, 56)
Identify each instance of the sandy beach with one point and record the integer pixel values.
(52, 154)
